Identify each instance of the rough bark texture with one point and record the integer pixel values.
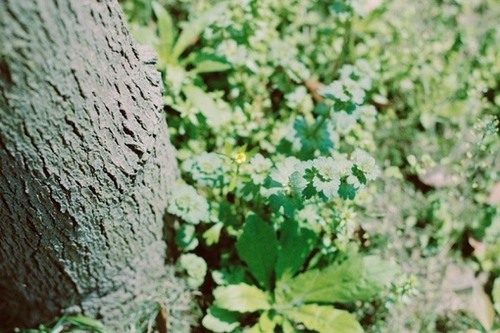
(85, 163)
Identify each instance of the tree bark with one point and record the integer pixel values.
(85, 164)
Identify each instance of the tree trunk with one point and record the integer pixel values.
(85, 164)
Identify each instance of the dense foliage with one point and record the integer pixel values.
(339, 160)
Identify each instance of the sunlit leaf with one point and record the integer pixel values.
(192, 30)
(241, 298)
(165, 30)
(358, 278)
(324, 319)
(209, 66)
(203, 101)
(220, 320)
(496, 294)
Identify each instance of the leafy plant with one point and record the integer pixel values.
(282, 295)
(285, 112)
(71, 323)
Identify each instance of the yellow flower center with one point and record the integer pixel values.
(240, 158)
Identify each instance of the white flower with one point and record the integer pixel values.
(297, 180)
(344, 122)
(344, 166)
(327, 168)
(234, 53)
(346, 71)
(292, 137)
(365, 163)
(295, 98)
(354, 181)
(284, 170)
(311, 217)
(328, 188)
(207, 168)
(259, 167)
(364, 7)
(282, 175)
(366, 73)
(353, 87)
(186, 203)
(368, 114)
(335, 90)
(327, 179)
(196, 268)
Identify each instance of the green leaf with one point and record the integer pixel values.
(257, 247)
(346, 191)
(287, 326)
(229, 275)
(220, 320)
(210, 66)
(201, 100)
(87, 322)
(290, 203)
(266, 324)
(166, 31)
(355, 279)
(324, 319)
(312, 137)
(212, 235)
(193, 29)
(295, 244)
(241, 298)
(496, 294)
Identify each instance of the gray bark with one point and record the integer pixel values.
(85, 163)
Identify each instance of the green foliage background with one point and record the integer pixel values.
(340, 161)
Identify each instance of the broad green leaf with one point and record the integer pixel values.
(264, 325)
(241, 298)
(193, 29)
(202, 101)
(287, 326)
(257, 247)
(166, 31)
(324, 319)
(209, 66)
(355, 279)
(295, 244)
(220, 320)
(496, 294)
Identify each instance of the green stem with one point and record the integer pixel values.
(345, 46)
(318, 125)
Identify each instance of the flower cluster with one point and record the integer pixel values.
(208, 169)
(186, 203)
(329, 177)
